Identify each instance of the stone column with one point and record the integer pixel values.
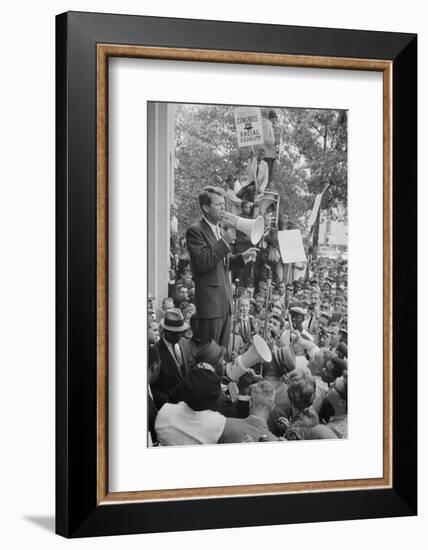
(160, 194)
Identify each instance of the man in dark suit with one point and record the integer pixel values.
(211, 260)
(245, 326)
(172, 366)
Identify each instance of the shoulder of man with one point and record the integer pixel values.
(197, 226)
(233, 426)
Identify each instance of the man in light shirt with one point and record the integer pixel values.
(191, 422)
(233, 203)
(258, 171)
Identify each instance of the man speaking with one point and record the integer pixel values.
(211, 260)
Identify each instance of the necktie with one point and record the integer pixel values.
(218, 233)
(178, 357)
(257, 172)
(244, 330)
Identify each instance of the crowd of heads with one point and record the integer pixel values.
(313, 361)
(299, 310)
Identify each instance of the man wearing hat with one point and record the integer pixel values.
(209, 249)
(302, 342)
(271, 141)
(171, 355)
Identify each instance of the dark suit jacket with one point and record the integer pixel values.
(152, 413)
(169, 375)
(252, 326)
(211, 260)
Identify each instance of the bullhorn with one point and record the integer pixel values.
(253, 228)
(257, 352)
(269, 198)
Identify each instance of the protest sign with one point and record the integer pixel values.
(249, 127)
(291, 246)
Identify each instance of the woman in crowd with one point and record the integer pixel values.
(304, 422)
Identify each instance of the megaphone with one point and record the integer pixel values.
(258, 351)
(270, 198)
(254, 228)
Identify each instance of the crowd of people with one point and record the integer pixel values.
(300, 394)
(209, 380)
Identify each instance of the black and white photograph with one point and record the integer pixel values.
(247, 244)
(201, 200)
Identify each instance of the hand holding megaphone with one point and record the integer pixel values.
(269, 340)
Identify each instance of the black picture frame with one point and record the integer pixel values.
(78, 513)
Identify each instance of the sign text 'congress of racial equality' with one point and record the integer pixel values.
(249, 126)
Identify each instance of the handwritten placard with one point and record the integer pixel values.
(291, 246)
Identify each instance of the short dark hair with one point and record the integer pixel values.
(205, 198)
(278, 318)
(301, 389)
(339, 365)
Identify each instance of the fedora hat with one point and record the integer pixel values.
(210, 352)
(174, 321)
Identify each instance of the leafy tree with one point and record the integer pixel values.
(206, 151)
(312, 157)
(321, 139)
